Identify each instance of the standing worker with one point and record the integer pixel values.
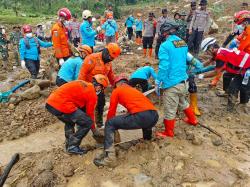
(138, 29)
(182, 26)
(15, 37)
(237, 66)
(108, 10)
(149, 34)
(160, 21)
(141, 76)
(87, 32)
(198, 25)
(111, 29)
(130, 21)
(141, 115)
(40, 32)
(60, 38)
(29, 48)
(71, 68)
(74, 104)
(189, 19)
(4, 47)
(172, 78)
(100, 63)
(74, 26)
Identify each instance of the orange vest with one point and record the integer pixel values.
(93, 65)
(244, 39)
(60, 40)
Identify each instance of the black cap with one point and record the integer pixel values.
(151, 14)
(164, 10)
(244, 4)
(203, 2)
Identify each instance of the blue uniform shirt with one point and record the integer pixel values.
(130, 21)
(87, 34)
(31, 52)
(144, 73)
(139, 25)
(70, 69)
(172, 62)
(110, 27)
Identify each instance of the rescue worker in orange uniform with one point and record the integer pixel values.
(142, 114)
(74, 104)
(243, 18)
(60, 37)
(236, 63)
(100, 63)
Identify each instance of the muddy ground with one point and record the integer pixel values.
(195, 157)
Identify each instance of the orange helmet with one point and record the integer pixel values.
(119, 78)
(101, 79)
(84, 49)
(240, 16)
(114, 50)
(109, 15)
(64, 12)
(27, 29)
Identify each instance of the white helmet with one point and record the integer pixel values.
(86, 14)
(207, 42)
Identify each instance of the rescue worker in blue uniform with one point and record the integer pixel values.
(172, 78)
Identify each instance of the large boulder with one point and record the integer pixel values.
(31, 93)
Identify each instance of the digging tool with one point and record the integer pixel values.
(149, 92)
(15, 158)
(4, 96)
(210, 129)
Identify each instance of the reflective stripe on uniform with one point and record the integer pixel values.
(244, 60)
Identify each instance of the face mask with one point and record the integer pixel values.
(3, 31)
(105, 56)
(29, 35)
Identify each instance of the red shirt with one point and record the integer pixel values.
(73, 95)
(133, 100)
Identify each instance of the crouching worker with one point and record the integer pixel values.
(141, 115)
(141, 76)
(69, 71)
(29, 48)
(172, 78)
(74, 104)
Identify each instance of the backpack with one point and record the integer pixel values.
(27, 45)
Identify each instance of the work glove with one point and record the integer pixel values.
(23, 64)
(157, 88)
(98, 29)
(201, 76)
(98, 135)
(61, 61)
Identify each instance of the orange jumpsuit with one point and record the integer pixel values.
(73, 95)
(244, 39)
(93, 65)
(60, 40)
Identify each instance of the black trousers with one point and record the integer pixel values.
(194, 41)
(148, 42)
(76, 41)
(157, 46)
(60, 81)
(236, 86)
(192, 85)
(143, 83)
(142, 120)
(100, 108)
(79, 118)
(138, 34)
(130, 32)
(33, 66)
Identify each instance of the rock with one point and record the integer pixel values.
(217, 141)
(11, 106)
(134, 171)
(41, 83)
(213, 163)
(31, 93)
(45, 93)
(23, 182)
(68, 171)
(45, 164)
(239, 173)
(228, 118)
(197, 141)
(142, 179)
(190, 135)
(44, 179)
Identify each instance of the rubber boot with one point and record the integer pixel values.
(194, 103)
(140, 41)
(108, 159)
(150, 53)
(216, 80)
(231, 103)
(169, 129)
(190, 116)
(137, 41)
(144, 53)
